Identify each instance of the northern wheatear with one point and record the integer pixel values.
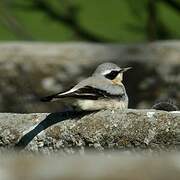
(102, 90)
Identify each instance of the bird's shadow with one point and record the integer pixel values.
(50, 120)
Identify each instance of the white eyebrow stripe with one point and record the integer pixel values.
(109, 71)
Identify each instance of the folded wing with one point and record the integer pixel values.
(86, 92)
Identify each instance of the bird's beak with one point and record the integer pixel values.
(126, 69)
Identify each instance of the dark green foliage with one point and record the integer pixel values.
(96, 21)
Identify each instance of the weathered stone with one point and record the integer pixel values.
(71, 131)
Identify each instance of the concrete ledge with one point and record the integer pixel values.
(109, 129)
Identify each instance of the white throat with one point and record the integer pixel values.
(119, 78)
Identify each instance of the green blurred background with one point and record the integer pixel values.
(123, 21)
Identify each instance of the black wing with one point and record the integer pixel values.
(87, 92)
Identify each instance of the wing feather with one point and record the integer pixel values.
(86, 92)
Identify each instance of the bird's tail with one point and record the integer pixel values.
(50, 98)
(56, 96)
(46, 99)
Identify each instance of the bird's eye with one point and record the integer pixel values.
(112, 75)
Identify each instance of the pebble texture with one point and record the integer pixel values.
(69, 132)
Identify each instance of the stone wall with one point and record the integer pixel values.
(69, 132)
(109, 144)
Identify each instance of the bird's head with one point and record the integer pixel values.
(111, 71)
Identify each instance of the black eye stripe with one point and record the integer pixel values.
(112, 75)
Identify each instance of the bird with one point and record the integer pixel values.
(102, 90)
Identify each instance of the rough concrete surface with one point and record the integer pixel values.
(70, 132)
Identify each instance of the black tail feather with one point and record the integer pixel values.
(47, 98)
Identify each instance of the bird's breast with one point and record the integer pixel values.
(101, 104)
